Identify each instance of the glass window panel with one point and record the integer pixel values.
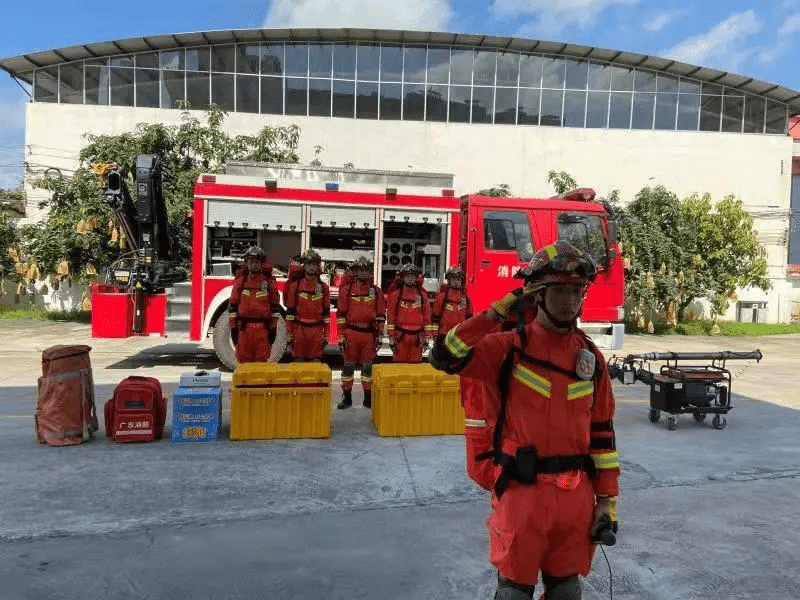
(223, 58)
(122, 61)
(97, 62)
(482, 104)
(438, 65)
(460, 102)
(754, 114)
(710, 112)
(529, 107)
(507, 69)
(666, 83)
(619, 111)
(643, 107)
(172, 84)
(198, 90)
(505, 105)
(414, 64)
(484, 68)
(45, 87)
(97, 85)
(296, 96)
(366, 99)
(121, 87)
(368, 58)
(436, 103)
(391, 63)
(319, 97)
(644, 81)
(391, 96)
(621, 79)
(554, 71)
(222, 91)
(712, 89)
(577, 74)
(461, 66)
(247, 93)
(732, 113)
(552, 103)
(574, 108)
(147, 60)
(198, 59)
(344, 61)
(174, 60)
(71, 84)
(597, 109)
(689, 86)
(413, 102)
(296, 62)
(666, 110)
(344, 99)
(776, 117)
(320, 60)
(271, 95)
(247, 58)
(272, 59)
(147, 87)
(688, 111)
(530, 71)
(599, 77)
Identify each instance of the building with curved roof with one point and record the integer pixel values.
(488, 109)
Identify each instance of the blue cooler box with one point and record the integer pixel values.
(196, 414)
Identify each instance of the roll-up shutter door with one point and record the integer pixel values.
(255, 215)
(345, 217)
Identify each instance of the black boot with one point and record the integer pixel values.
(347, 399)
(367, 398)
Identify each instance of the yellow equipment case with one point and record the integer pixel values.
(415, 400)
(270, 401)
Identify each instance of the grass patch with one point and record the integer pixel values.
(38, 314)
(726, 328)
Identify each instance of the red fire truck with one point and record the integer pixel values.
(392, 217)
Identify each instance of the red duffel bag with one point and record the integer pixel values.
(65, 410)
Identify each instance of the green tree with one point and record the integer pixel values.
(502, 190)
(561, 181)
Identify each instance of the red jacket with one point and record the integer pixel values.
(254, 297)
(450, 308)
(361, 305)
(308, 301)
(409, 312)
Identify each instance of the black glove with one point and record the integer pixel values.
(235, 336)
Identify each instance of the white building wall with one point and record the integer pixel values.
(754, 168)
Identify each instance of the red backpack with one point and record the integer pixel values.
(137, 411)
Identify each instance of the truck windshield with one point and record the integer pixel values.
(508, 230)
(585, 232)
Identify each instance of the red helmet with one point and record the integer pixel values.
(560, 262)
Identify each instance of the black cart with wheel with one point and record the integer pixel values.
(699, 390)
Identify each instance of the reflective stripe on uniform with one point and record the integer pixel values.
(454, 345)
(608, 460)
(474, 423)
(551, 251)
(536, 382)
(579, 389)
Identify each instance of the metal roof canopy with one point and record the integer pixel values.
(21, 67)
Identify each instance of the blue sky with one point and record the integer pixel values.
(756, 38)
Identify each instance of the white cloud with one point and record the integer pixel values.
(552, 16)
(428, 15)
(791, 25)
(724, 47)
(662, 19)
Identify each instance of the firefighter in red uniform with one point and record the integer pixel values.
(361, 316)
(254, 308)
(551, 407)
(409, 317)
(308, 309)
(452, 305)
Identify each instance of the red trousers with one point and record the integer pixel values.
(359, 349)
(409, 348)
(478, 435)
(253, 344)
(308, 342)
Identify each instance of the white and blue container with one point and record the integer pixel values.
(197, 408)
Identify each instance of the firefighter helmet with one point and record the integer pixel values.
(560, 262)
(310, 256)
(409, 268)
(362, 262)
(455, 271)
(254, 252)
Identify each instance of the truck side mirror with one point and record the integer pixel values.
(613, 231)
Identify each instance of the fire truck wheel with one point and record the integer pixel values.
(223, 345)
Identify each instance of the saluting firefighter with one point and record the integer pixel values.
(551, 406)
(409, 316)
(452, 305)
(361, 317)
(308, 309)
(254, 308)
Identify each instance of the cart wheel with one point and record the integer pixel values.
(672, 423)
(718, 422)
(699, 416)
(655, 415)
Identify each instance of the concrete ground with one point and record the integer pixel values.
(704, 513)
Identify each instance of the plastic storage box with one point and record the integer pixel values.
(197, 409)
(415, 400)
(272, 401)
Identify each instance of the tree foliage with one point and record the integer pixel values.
(502, 190)
(79, 237)
(561, 181)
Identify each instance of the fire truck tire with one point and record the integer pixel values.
(226, 353)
